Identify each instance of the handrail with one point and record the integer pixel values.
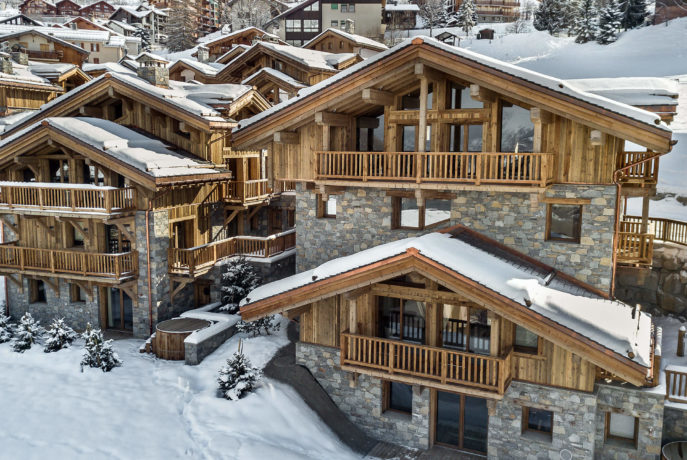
(635, 248)
(43, 196)
(245, 190)
(438, 364)
(57, 261)
(669, 230)
(641, 171)
(676, 384)
(459, 167)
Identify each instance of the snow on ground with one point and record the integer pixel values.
(152, 409)
(670, 326)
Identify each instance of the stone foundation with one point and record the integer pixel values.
(674, 424)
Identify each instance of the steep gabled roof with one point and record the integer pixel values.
(231, 54)
(274, 75)
(208, 69)
(27, 20)
(8, 32)
(219, 37)
(357, 40)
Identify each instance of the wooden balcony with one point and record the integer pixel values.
(45, 55)
(528, 169)
(284, 186)
(245, 191)
(196, 261)
(635, 248)
(676, 384)
(46, 198)
(109, 268)
(668, 230)
(441, 368)
(638, 174)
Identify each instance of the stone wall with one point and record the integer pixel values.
(362, 402)
(518, 220)
(648, 407)
(573, 423)
(663, 287)
(674, 424)
(194, 353)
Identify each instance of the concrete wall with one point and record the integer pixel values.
(367, 18)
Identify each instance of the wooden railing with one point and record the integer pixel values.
(243, 191)
(189, 261)
(642, 173)
(635, 248)
(676, 384)
(38, 54)
(53, 261)
(283, 185)
(441, 365)
(42, 196)
(474, 168)
(671, 231)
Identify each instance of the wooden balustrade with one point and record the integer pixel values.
(190, 261)
(642, 173)
(671, 231)
(454, 167)
(635, 248)
(77, 199)
(676, 384)
(62, 262)
(243, 191)
(441, 365)
(282, 185)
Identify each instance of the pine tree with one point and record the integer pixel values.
(238, 377)
(6, 327)
(27, 333)
(144, 35)
(267, 324)
(586, 26)
(182, 25)
(549, 16)
(59, 336)
(610, 21)
(634, 13)
(466, 16)
(98, 352)
(238, 280)
(568, 13)
(433, 13)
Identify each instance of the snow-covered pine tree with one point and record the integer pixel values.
(27, 333)
(568, 13)
(634, 13)
(586, 25)
(548, 16)
(6, 327)
(182, 25)
(144, 35)
(433, 13)
(266, 324)
(59, 336)
(610, 21)
(466, 16)
(98, 352)
(238, 279)
(238, 377)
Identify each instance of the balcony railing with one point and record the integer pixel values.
(534, 169)
(676, 384)
(635, 248)
(61, 197)
(198, 259)
(243, 191)
(440, 365)
(668, 230)
(282, 186)
(61, 262)
(642, 173)
(52, 55)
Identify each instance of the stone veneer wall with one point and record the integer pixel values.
(518, 220)
(362, 403)
(674, 424)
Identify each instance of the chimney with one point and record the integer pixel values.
(154, 72)
(350, 26)
(5, 63)
(20, 56)
(203, 54)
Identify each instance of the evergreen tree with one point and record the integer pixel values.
(466, 16)
(182, 25)
(549, 16)
(238, 377)
(98, 352)
(27, 333)
(267, 324)
(634, 13)
(59, 336)
(568, 12)
(238, 280)
(586, 26)
(433, 13)
(610, 21)
(6, 327)
(144, 35)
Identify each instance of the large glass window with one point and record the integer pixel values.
(537, 421)
(462, 422)
(564, 222)
(293, 25)
(411, 101)
(407, 214)
(401, 319)
(466, 328)
(408, 138)
(621, 428)
(370, 133)
(525, 341)
(311, 25)
(465, 138)
(314, 7)
(517, 129)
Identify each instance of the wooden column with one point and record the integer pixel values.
(422, 122)
(645, 214)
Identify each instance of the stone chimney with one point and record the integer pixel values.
(19, 55)
(154, 71)
(5, 63)
(350, 26)
(203, 54)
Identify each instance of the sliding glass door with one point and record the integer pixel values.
(462, 422)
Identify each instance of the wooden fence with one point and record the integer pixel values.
(676, 384)
(474, 168)
(672, 231)
(646, 172)
(92, 199)
(438, 364)
(635, 248)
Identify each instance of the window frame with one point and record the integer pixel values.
(76, 294)
(34, 291)
(322, 206)
(525, 422)
(524, 349)
(628, 442)
(397, 208)
(386, 398)
(549, 213)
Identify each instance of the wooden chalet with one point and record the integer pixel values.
(84, 24)
(67, 8)
(190, 69)
(21, 89)
(235, 50)
(37, 8)
(66, 76)
(21, 20)
(337, 41)
(41, 47)
(100, 9)
(225, 42)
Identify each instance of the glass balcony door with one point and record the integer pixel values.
(466, 328)
(462, 422)
(401, 319)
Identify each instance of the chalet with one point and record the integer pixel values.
(67, 8)
(66, 76)
(38, 8)
(229, 56)
(338, 41)
(494, 10)
(41, 46)
(21, 89)
(400, 15)
(190, 69)
(100, 10)
(121, 28)
(83, 24)
(223, 41)
(458, 227)
(151, 18)
(276, 86)
(21, 20)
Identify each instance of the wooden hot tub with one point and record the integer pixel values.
(674, 451)
(169, 336)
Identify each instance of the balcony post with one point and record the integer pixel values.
(83, 263)
(390, 357)
(267, 248)
(41, 197)
(479, 164)
(344, 349)
(444, 366)
(108, 201)
(367, 157)
(118, 269)
(52, 261)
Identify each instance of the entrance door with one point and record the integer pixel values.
(461, 422)
(182, 234)
(120, 313)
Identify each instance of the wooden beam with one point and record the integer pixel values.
(129, 236)
(367, 122)
(78, 225)
(597, 138)
(285, 137)
(538, 115)
(479, 93)
(131, 289)
(230, 217)
(332, 119)
(378, 97)
(354, 294)
(181, 284)
(422, 122)
(422, 71)
(86, 287)
(50, 230)
(17, 282)
(255, 210)
(90, 111)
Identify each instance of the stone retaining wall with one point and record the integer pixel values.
(194, 353)
(674, 424)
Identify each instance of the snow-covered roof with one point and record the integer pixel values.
(234, 49)
(48, 69)
(149, 56)
(207, 68)
(122, 25)
(310, 58)
(274, 72)
(23, 74)
(401, 7)
(106, 67)
(608, 323)
(67, 35)
(224, 34)
(632, 90)
(144, 153)
(545, 81)
(357, 39)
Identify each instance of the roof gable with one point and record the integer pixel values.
(356, 40)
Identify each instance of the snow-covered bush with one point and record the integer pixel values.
(98, 352)
(59, 336)
(266, 324)
(238, 279)
(27, 333)
(6, 327)
(238, 377)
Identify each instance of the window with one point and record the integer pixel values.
(517, 129)
(370, 133)
(327, 208)
(398, 397)
(406, 214)
(75, 293)
(411, 101)
(341, 44)
(351, 8)
(408, 138)
(335, 23)
(335, 6)
(564, 223)
(293, 25)
(525, 341)
(401, 319)
(344, 8)
(314, 7)
(36, 291)
(621, 428)
(311, 25)
(537, 421)
(78, 239)
(177, 127)
(459, 98)
(465, 138)
(278, 65)
(96, 61)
